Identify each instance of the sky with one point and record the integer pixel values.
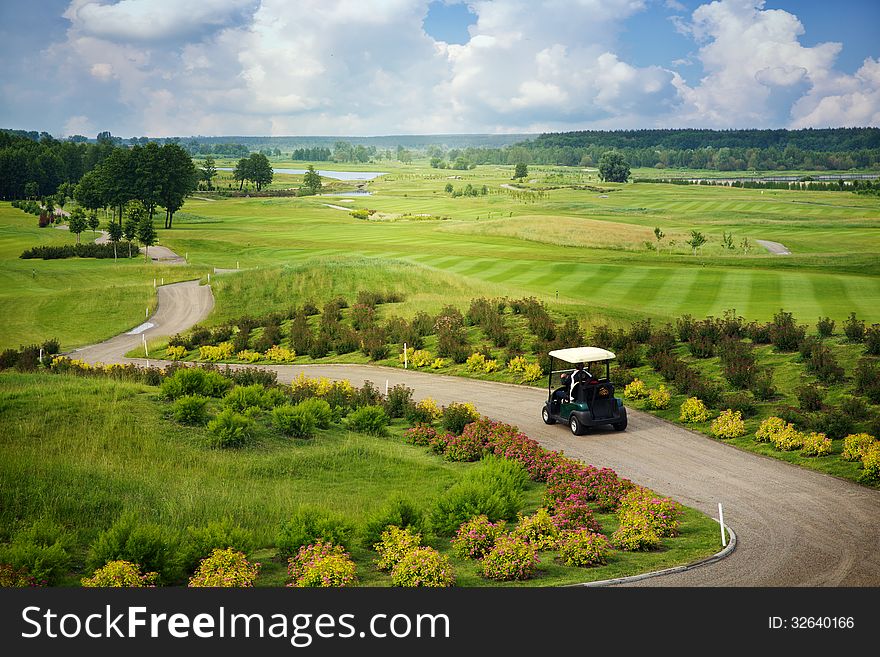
(163, 68)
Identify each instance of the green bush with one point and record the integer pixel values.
(308, 526)
(456, 416)
(294, 421)
(190, 409)
(199, 542)
(273, 397)
(320, 410)
(230, 430)
(244, 398)
(397, 511)
(423, 566)
(127, 539)
(399, 400)
(194, 381)
(41, 550)
(369, 419)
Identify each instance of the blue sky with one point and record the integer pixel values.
(366, 67)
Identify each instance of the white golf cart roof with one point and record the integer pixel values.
(582, 354)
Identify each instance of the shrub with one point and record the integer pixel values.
(249, 356)
(476, 362)
(273, 397)
(398, 400)
(244, 398)
(194, 381)
(810, 397)
(583, 548)
(872, 340)
(190, 409)
(226, 568)
(693, 410)
(421, 435)
(369, 419)
(511, 558)
(309, 526)
(642, 504)
(222, 351)
(825, 327)
(636, 536)
(835, 424)
(489, 491)
(417, 358)
(39, 551)
(398, 512)
(816, 444)
(784, 333)
(854, 328)
(128, 539)
(728, 425)
(466, 447)
(423, 566)
(321, 564)
(176, 353)
(198, 543)
(424, 411)
(319, 409)
(788, 439)
(16, 578)
(538, 529)
(856, 445)
(742, 402)
(120, 574)
(573, 512)
(636, 390)
(476, 537)
(457, 415)
(769, 428)
(659, 399)
(276, 354)
(871, 463)
(532, 373)
(294, 421)
(867, 379)
(394, 544)
(230, 430)
(763, 385)
(855, 408)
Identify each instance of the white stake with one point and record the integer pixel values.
(147, 312)
(237, 265)
(163, 280)
(405, 357)
(41, 362)
(186, 256)
(146, 353)
(721, 522)
(154, 283)
(209, 279)
(386, 380)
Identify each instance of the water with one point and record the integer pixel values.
(356, 192)
(336, 175)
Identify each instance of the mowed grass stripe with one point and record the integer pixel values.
(764, 295)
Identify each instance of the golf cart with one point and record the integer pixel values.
(580, 392)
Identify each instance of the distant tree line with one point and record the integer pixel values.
(315, 154)
(227, 149)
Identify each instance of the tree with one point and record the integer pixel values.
(242, 171)
(136, 213)
(613, 168)
(208, 171)
(449, 188)
(114, 232)
(93, 222)
(311, 181)
(178, 179)
(88, 192)
(31, 189)
(65, 191)
(77, 223)
(146, 235)
(659, 235)
(521, 170)
(260, 170)
(697, 240)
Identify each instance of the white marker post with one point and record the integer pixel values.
(146, 353)
(237, 265)
(147, 311)
(721, 522)
(41, 362)
(154, 283)
(209, 279)
(163, 280)
(405, 357)
(386, 380)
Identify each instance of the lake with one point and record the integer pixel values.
(337, 175)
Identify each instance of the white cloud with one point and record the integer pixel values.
(79, 125)
(101, 71)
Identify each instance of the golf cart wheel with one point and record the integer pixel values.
(545, 415)
(574, 424)
(620, 426)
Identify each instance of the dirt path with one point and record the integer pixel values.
(158, 254)
(774, 247)
(795, 527)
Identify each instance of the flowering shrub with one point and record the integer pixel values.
(510, 558)
(175, 353)
(816, 444)
(729, 425)
(787, 439)
(532, 372)
(420, 435)
(15, 578)
(227, 568)
(659, 399)
(476, 537)
(768, 428)
(581, 547)
(336, 393)
(466, 447)
(636, 390)
(506, 441)
(642, 505)
(605, 488)
(276, 354)
(476, 362)
(538, 529)
(490, 366)
(573, 513)
(425, 411)
(439, 442)
(437, 363)
(120, 574)
(249, 356)
(457, 415)
(222, 351)
(693, 410)
(871, 462)
(638, 535)
(423, 566)
(517, 364)
(416, 358)
(321, 565)
(394, 544)
(855, 445)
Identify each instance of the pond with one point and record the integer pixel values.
(354, 192)
(336, 175)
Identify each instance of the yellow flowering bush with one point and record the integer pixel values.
(394, 544)
(221, 352)
(816, 444)
(249, 356)
(423, 566)
(175, 353)
(437, 363)
(636, 390)
(321, 565)
(583, 548)
(855, 445)
(659, 399)
(517, 364)
(276, 354)
(729, 425)
(538, 529)
(427, 410)
(693, 410)
(871, 462)
(532, 373)
(226, 568)
(120, 574)
(417, 358)
(788, 439)
(476, 362)
(770, 427)
(490, 366)
(642, 505)
(635, 536)
(510, 558)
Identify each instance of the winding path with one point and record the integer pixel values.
(795, 527)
